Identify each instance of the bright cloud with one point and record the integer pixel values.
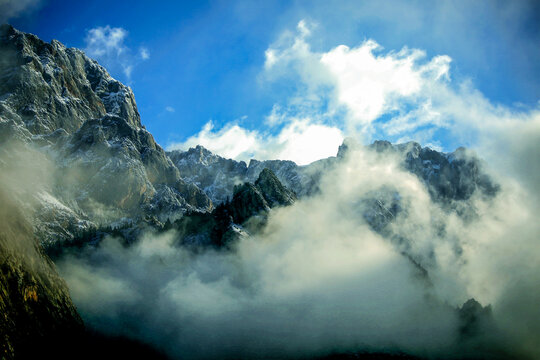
(361, 91)
(300, 141)
(394, 95)
(362, 80)
(105, 40)
(231, 141)
(371, 85)
(107, 44)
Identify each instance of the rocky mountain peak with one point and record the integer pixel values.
(382, 146)
(272, 189)
(46, 86)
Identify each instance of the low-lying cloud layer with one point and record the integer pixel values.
(320, 280)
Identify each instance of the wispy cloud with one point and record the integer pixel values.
(267, 297)
(363, 81)
(169, 109)
(144, 53)
(13, 8)
(107, 45)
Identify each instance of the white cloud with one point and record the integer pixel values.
(301, 141)
(231, 141)
(144, 53)
(107, 45)
(423, 115)
(305, 142)
(371, 85)
(105, 40)
(362, 80)
(169, 109)
(398, 95)
(361, 91)
(291, 57)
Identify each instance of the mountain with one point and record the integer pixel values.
(452, 176)
(77, 131)
(217, 176)
(61, 104)
(451, 180)
(213, 174)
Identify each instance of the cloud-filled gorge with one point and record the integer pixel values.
(319, 280)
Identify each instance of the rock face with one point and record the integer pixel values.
(448, 176)
(217, 176)
(245, 212)
(65, 105)
(37, 312)
(251, 199)
(273, 191)
(213, 174)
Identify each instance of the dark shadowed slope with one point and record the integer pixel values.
(37, 312)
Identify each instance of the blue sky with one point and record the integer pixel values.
(192, 62)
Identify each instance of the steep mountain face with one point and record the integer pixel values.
(250, 199)
(67, 106)
(273, 191)
(46, 87)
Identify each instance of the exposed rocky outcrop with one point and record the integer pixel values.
(452, 176)
(217, 176)
(245, 212)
